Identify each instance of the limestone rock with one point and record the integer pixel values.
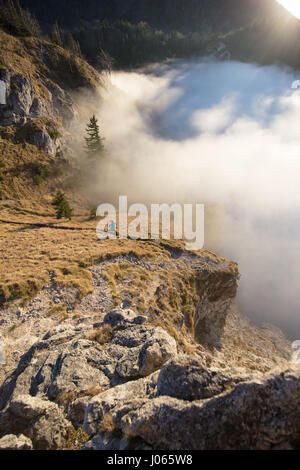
(19, 98)
(12, 442)
(76, 410)
(186, 379)
(119, 316)
(107, 441)
(40, 420)
(255, 415)
(22, 102)
(148, 349)
(116, 402)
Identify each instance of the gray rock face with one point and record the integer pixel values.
(218, 288)
(19, 98)
(126, 316)
(23, 103)
(12, 442)
(77, 364)
(20, 104)
(66, 367)
(2, 351)
(131, 390)
(107, 441)
(252, 416)
(186, 379)
(40, 420)
(63, 364)
(2, 92)
(42, 140)
(147, 350)
(61, 103)
(116, 402)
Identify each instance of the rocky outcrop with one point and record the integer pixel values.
(251, 415)
(256, 415)
(24, 103)
(2, 351)
(20, 97)
(217, 284)
(22, 106)
(68, 364)
(12, 442)
(123, 382)
(132, 381)
(40, 420)
(186, 379)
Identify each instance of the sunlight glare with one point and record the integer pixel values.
(293, 6)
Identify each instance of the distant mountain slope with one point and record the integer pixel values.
(183, 15)
(266, 42)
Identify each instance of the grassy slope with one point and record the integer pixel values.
(34, 245)
(24, 196)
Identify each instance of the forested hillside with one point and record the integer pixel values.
(182, 15)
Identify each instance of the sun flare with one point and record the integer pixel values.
(293, 6)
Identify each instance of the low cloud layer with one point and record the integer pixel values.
(223, 133)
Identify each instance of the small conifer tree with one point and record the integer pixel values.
(94, 143)
(61, 206)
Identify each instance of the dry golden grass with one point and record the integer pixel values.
(134, 277)
(107, 424)
(74, 439)
(33, 245)
(33, 58)
(66, 398)
(102, 335)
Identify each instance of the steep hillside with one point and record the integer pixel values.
(37, 78)
(97, 376)
(266, 43)
(135, 32)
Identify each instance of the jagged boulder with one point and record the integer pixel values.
(186, 379)
(62, 367)
(108, 441)
(62, 105)
(40, 420)
(104, 411)
(119, 316)
(148, 349)
(42, 140)
(22, 102)
(255, 415)
(68, 365)
(12, 442)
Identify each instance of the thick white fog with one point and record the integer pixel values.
(225, 133)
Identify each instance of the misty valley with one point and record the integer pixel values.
(149, 229)
(224, 133)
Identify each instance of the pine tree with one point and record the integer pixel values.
(55, 36)
(94, 143)
(62, 207)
